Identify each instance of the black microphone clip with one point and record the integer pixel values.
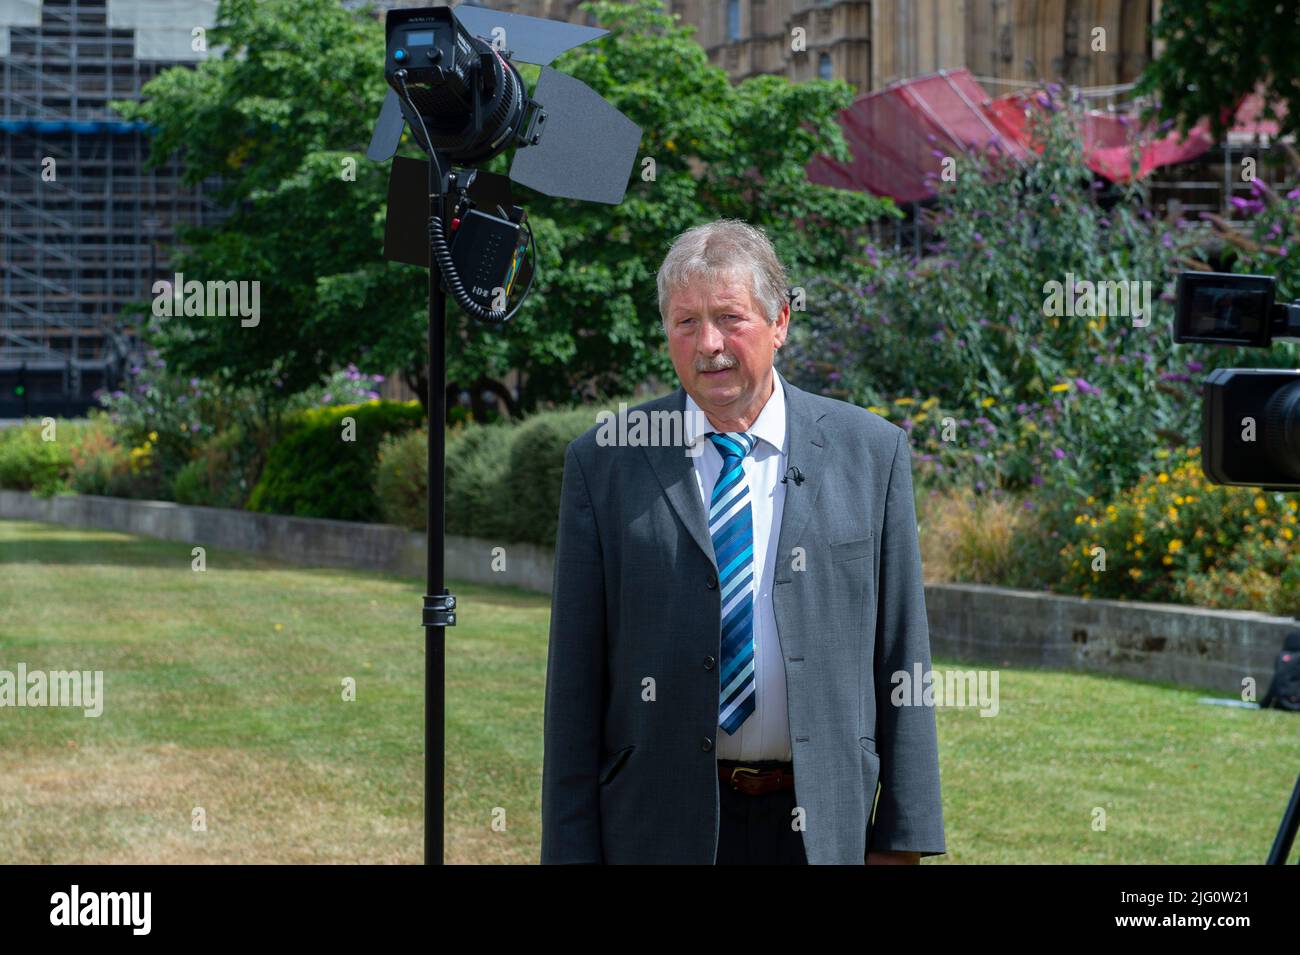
(794, 471)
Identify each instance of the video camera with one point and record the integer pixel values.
(1250, 418)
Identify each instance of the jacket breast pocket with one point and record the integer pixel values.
(613, 763)
(851, 550)
(849, 584)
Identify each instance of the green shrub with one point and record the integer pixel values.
(502, 480)
(400, 485)
(30, 463)
(1173, 537)
(536, 470)
(222, 474)
(314, 471)
(100, 464)
(480, 500)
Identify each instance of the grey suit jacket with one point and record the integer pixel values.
(630, 769)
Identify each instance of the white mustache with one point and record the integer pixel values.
(728, 363)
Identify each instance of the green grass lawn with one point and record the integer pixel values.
(224, 692)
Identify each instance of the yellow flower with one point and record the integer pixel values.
(987, 402)
(1173, 513)
(876, 410)
(153, 435)
(1175, 545)
(1138, 552)
(1261, 505)
(904, 401)
(1167, 560)
(1162, 453)
(1063, 386)
(1079, 518)
(1138, 538)
(1091, 499)
(917, 419)
(1163, 478)
(1287, 533)
(929, 403)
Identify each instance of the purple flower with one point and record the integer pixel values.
(1294, 194)
(1282, 252)
(1174, 376)
(1167, 240)
(372, 394)
(1058, 453)
(1036, 480)
(1086, 388)
(326, 398)
(1194, 366)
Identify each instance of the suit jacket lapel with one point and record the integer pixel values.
(676, 473)
(806, 443)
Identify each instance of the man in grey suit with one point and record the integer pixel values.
(732, 609)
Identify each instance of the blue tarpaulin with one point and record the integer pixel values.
(88, 127)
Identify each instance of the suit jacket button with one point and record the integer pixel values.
(706, 744)
(708, 663)
(711, 582)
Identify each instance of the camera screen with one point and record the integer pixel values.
(420, 39)
(1222, 312)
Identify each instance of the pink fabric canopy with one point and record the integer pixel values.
(898, 136)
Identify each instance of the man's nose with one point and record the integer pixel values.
(711, 339)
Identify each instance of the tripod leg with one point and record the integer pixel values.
(1286, 832)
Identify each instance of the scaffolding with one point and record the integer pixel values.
(84, 227)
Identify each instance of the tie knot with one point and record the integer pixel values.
(733, 444)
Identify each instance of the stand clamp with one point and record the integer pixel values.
(439, 611)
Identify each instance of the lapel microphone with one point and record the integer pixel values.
(794, 472)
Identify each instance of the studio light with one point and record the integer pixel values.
(452, 80)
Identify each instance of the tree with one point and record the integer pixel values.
(295, 95)
(1215, 52)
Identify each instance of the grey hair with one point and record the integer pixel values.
(719, 248)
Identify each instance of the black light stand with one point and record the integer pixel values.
(439, 604)
(465, 103)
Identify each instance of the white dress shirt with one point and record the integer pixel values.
(765, 734)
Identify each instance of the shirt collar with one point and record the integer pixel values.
(769, 426)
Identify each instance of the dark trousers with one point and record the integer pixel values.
(756, 830)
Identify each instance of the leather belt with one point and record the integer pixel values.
(754, 779)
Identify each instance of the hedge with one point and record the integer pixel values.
(325, 465)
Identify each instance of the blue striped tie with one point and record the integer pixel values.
(731, 525)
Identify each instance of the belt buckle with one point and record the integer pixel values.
(743, 769)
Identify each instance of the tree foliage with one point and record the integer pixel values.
(1216, 51)
(294, 96)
